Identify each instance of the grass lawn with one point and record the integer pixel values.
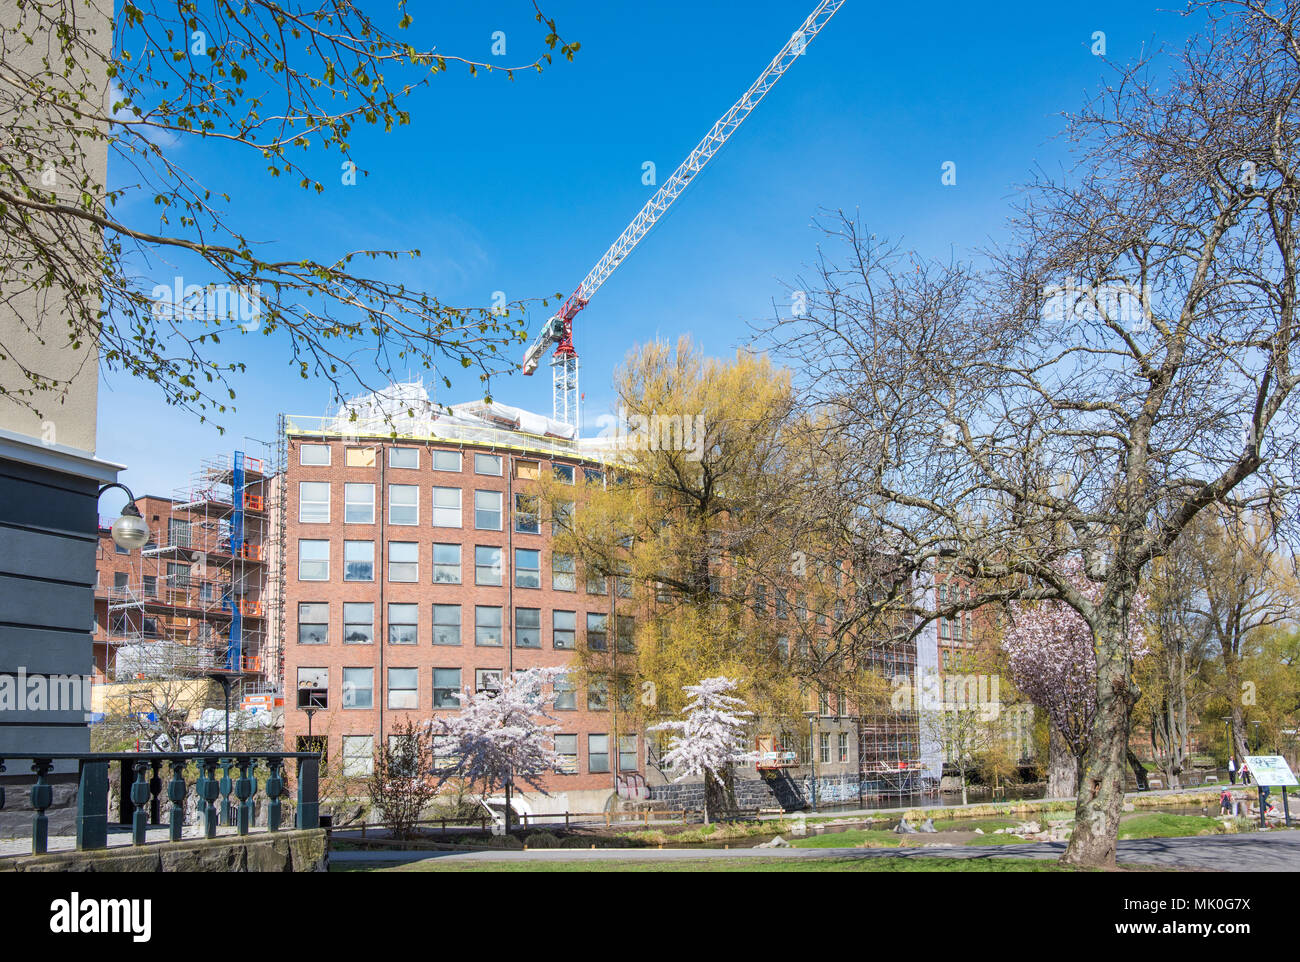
(927, 864)
(1161, 825)
(851, 838)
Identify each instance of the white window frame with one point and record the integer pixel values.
(303, 501)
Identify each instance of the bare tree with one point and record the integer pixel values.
(1088, 391)
(258, 82)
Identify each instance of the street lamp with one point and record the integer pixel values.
(1256, 724)
(812, 754)
(129, 531)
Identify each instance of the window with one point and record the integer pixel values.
(760, 600)
(782, 605)
(446, 461)
(120, 578)
(403, 504)
(562, 518)
(566, 695)
(358, 688)
(119, 549)
(314, 454)
(446, 508)
(527, 511)
(597, 631)
(596, 584)
(403, 688)
(783, 647)
(824, 748)
(314, 502)
(403, 624)
(597, 754)
(358, 561)
(313, 623)
(528, 627)
(566, 746)
(627, 760)
(564, 628)
(446, 564)
(358, 623)
(446, 624)
(527, 470)
(625, 634)
(487, 565)
(446, 688)
(487, 464)
(487, 510)
(843, 747)
(403, 561)
(594, 476)
(598, 693)
(360, 458)
(358, 755)
(623, 580)
(562, 573)
(313, 561)
(358, 504)
(528, 568)
(150, 586)
(313, 687)
(563, 472)
(403, 457)
(487, 679)
(487, 625)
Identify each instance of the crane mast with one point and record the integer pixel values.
(558, 331)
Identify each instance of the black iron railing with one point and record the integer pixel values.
(146, 775)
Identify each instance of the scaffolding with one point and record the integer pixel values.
(199, 606)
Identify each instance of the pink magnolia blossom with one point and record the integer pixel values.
(1053, 662)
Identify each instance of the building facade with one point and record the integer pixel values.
(417, 566)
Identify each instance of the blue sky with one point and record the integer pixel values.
(521, 187)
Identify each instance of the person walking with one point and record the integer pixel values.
(1232, 770)
(1245, 773)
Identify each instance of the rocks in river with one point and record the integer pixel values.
(777, 842)
(928, 826)
(905, 828)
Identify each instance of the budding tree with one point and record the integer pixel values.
(501, 734)
(181, 96)
(990, 431)
(711, 736)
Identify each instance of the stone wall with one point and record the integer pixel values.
(295, 851)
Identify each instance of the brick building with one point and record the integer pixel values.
(194, 602)
(417, 565)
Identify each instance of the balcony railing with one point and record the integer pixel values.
(143, 787)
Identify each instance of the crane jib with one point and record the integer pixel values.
(655, 207)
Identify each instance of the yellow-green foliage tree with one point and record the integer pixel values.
(681, 529)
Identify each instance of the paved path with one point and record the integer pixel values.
(1277, 851)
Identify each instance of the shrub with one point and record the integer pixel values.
(542, 840)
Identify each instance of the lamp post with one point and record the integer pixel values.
(1256, 724)
(812, 754)
(129, 531)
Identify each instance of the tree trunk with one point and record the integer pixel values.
(1139, 770)
(1100, 800)
(1062, 767)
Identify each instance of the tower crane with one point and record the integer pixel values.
(558, 331)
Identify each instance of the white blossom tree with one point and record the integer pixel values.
(712, 735)
(501, 734)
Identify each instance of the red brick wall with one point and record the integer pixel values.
(424, 656)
